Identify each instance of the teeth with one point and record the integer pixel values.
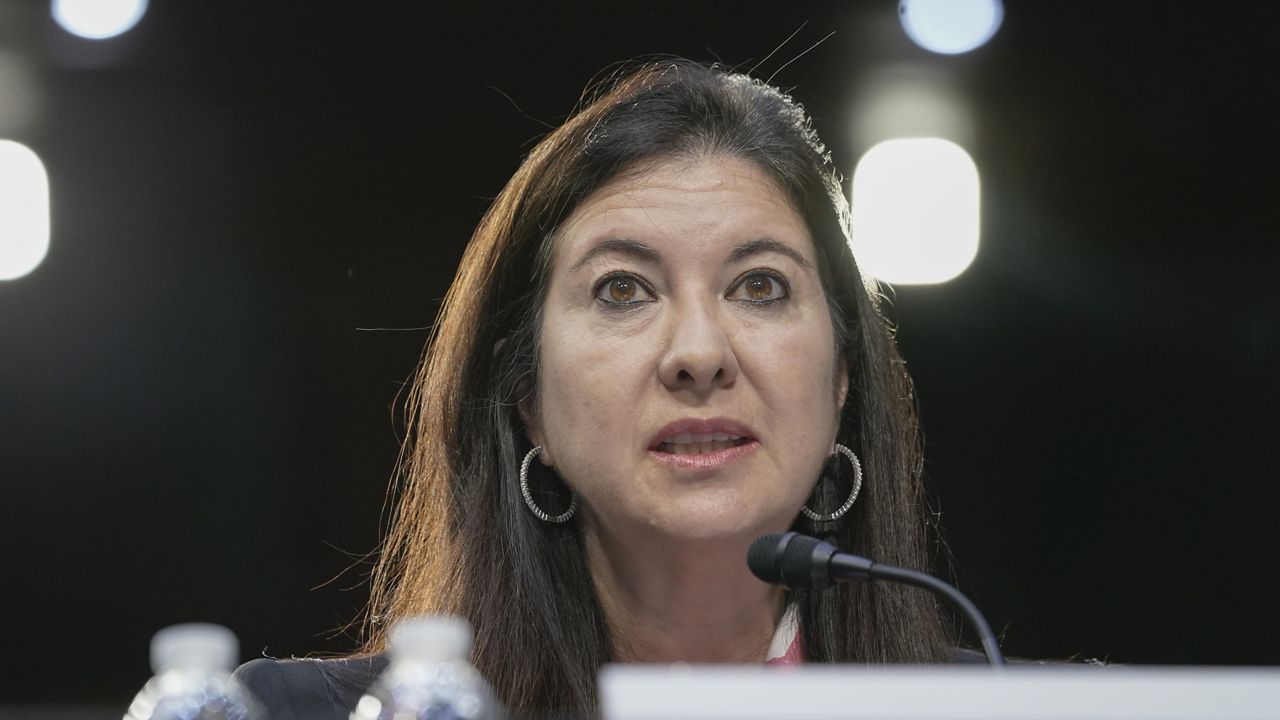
(683, 438)
(698, 448)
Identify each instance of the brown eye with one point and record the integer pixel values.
(622, 290)
(760, 288)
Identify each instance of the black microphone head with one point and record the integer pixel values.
(791, 559)
(804, 562)
(764, 557)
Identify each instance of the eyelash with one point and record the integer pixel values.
(614, 305)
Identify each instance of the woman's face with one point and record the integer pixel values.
(688, 383)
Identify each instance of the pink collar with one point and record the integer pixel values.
(785, 648)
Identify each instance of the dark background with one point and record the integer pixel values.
(257, 206)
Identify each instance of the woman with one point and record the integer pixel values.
(657, 348)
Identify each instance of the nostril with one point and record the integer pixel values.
(684, 375)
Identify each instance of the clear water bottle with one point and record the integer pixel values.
(429, 676)
(192, 665)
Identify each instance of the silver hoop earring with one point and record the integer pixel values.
(528, 497)
(857, 486)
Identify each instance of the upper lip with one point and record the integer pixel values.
(700, 426)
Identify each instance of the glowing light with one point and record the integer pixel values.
(950, 27)
(915, 211)
(98, 19)
(24, 210)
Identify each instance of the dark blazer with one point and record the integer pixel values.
(330, 689)
(309, 689)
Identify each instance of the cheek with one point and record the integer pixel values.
(794, 367)
(589, 390)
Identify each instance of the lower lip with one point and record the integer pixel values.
(706, 461)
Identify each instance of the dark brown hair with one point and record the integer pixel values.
(462, 541)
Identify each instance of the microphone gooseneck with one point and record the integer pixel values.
(799, 561)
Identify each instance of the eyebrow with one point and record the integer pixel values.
(758, 246)
(633, 248)
(644, 253)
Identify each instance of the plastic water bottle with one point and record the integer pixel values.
(192, 665)
(429, 676)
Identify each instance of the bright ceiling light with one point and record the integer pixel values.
(915, 211)
(24, 210)
(950, 27)
(98, 19)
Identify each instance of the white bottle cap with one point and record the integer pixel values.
(431, 638)
(197, 646)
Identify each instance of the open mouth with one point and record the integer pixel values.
(700, 444)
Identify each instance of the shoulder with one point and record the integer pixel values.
(309, 689)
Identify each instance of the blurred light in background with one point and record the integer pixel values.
(24, 210)
(98, 19)
(20, 98)
(915, 211)
(950, 27)
(902, 100)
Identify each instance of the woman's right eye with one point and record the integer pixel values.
(622, 290)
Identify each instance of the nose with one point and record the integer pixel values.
(699, 356)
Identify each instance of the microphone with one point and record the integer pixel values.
(799, 561)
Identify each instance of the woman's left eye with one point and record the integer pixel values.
(761, 288)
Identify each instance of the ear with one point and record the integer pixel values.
(529, 416)
(526, 406)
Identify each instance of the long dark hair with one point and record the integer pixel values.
(462, 541)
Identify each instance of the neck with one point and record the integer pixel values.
(680, 601)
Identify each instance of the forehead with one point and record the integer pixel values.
(685, 201)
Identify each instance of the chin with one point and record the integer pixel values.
(700, 522)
